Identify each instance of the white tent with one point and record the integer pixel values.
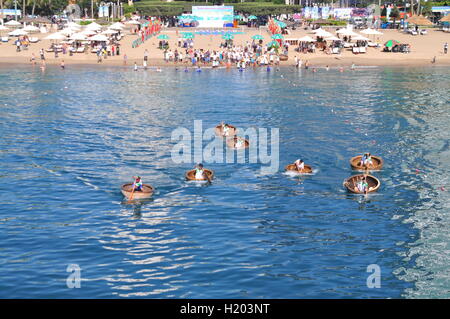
(98, 37)
(18, 32)
(55, 36)
(306, 38)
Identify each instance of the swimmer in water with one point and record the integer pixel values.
(62, 65)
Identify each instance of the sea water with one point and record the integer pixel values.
(70, 138)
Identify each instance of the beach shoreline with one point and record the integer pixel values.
(424, 49)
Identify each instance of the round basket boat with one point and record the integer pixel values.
(190, 175)
(147, 191)
(355, 163)
(293, 168)
(230, 143)
(231, 132)
(350, 183)
(283, 57)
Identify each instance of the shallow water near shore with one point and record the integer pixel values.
(70, 138)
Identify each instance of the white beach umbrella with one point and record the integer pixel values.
(360, 38)
(73, 25)
(18, 32)
(117, 26)
(98, 37)
(369, 31)
(332, 38)
(78, 37)
(324, 34)
(31, 28)
(3, 28)
(93, 26)
(109, 31)
(13, 23)
(55, 36)
(89, 32)
(347, 32)
(306, 38)
(133, 22)
(67, 31)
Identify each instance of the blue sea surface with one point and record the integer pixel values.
(70, 138)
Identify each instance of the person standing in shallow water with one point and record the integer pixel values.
(445, 48)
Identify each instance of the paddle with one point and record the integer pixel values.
(132, 193)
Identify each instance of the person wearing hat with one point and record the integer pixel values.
(137, 185)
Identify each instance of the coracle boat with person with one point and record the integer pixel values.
(352, 182)
(146, 192)
(355, 163)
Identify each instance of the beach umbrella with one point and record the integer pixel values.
(273, 44)
(360, 38)
(419, 20)
(188, 35)
(280, 24)
(369, 31)
(93, 26)
(109, 31)
(98, 37)
(78, 37)
(277, 36)
(332, 38)
(18, 32)
(133, 22)
(237, 17)
(391, 43)
(3, 28)
(306, 38)
(252, 17)
(323, 34)
(257, 37)
(73, 25)
(445, 19)
(228, 36)
(163, 37)
(55, 36)
(88, 32)
(347, 32)
(68, 31)
(117, 26)
(31, 28)
(13, 23)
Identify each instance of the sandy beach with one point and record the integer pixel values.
(423, 49)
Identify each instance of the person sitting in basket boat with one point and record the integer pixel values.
(366, 160)
(137, 185)
(225, 129)
(362, 186)
(238, 142)
(300, 165)
(200, 172)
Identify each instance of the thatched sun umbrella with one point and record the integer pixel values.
(419, 20)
